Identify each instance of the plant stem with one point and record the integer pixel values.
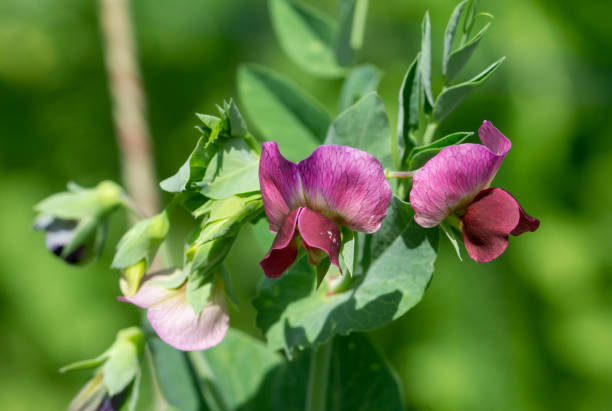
(316, 395)
(429, 133)
(128, 99)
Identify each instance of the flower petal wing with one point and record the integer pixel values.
(284, 249)
(176, 324)
(347, 185)
(487, 222)
(319, 233)
(150, 292)
(280, 185)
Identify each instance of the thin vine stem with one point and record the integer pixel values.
(318, 376)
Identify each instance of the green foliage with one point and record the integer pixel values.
(280, 110)
(241, 373)
(307, 36)
(364, 126)
(141, 241)
(451, 97)
(396, 264)
(360, 81)
(233, 170)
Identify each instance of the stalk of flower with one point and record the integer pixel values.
(308, 202)
(454, 185)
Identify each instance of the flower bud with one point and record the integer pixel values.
(116, 377)
(59, 234)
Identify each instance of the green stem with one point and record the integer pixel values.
(429, 133)
(316, 395)
(210, 392)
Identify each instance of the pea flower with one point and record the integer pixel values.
(455, 184)
(164, 295)
(307, 202)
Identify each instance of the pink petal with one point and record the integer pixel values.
(488, 221)
(150, 292)
(319, 233)
(347, 185)
(280, 185)
(494, 139)
(284, 249)
(451, 179)
(176, 324)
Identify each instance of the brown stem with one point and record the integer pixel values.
(129, 106)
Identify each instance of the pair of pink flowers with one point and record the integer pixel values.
(339, 185)
(308, 202)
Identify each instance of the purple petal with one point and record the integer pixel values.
(526, 223)
(319, 233)
(176, 324)
(489, 220)
(347, 185)
(280, 185)
(494, 139)
(284, 249)
(451, 179)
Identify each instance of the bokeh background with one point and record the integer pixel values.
(530, 331)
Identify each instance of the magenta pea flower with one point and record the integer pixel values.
(456, 183)
(307, 202)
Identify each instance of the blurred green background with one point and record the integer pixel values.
(530, 331)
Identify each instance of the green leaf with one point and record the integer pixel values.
(353, 15)
(425, 59)
(420, 155)
(237, 124)
(451, 97)
(238, 372)
(307, 36)
(409, 106)
(209, 255)
(348, 251)
(85, 364)
(449, 33)
(225, 217)
(82, 202)
(231, 171)
(199, 289)
(448, 231)
(458, 58)
(192, 170)
(398, 265)
(122, 367)
(177, 383)
(141, 241)
(364, 126)
(360, 81)
(360, 379)
(281, 111)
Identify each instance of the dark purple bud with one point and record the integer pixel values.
(58, 234)
(113, 403)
